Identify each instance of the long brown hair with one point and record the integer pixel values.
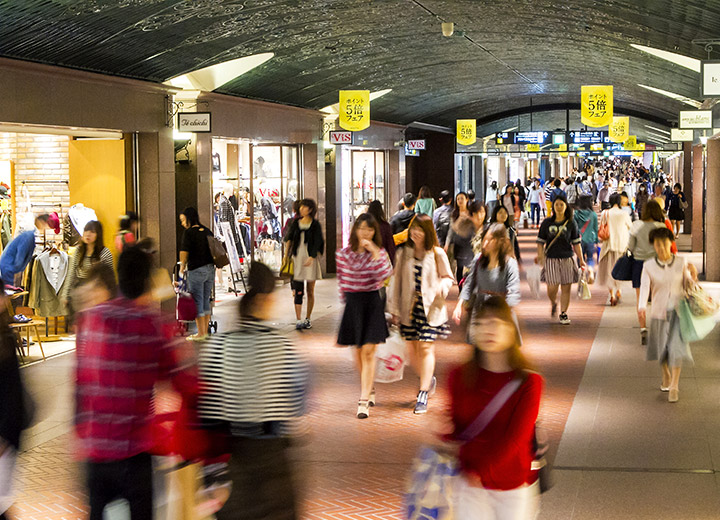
(500, 233)
(497, 307)
(371, 222)
(426, 224)
(97, 228)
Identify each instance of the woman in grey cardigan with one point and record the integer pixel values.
(493, 272)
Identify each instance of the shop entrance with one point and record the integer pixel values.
(261, 182)
(367, 180)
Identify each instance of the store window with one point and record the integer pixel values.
(368, 180)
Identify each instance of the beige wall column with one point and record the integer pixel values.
(503, 173)
(203, 152)
(157, 192)
(687, 186)
(697, 193)
(712, 226)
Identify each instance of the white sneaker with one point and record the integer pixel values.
(300, 325)
(307, 324)
(564, 320)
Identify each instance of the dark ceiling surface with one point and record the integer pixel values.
(512, 51)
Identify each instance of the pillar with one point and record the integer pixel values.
(203, 149)
(712, 226)
(697, 196)
(503, 172)
(687, 178)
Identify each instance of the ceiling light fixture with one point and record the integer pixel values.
(658, 129)
(658, 137)
(448, 28)
(334, 110)
(678, 59)
(215, 76)
(677, 97)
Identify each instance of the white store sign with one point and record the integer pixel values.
(678, 135)
(416, 144)
(696, 119)
(198, 122)
(340, 137)
(710, 79)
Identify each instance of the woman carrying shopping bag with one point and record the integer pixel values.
(663, 278)
(416, 299)
(497, 480)
(613, 247)
(362, 267)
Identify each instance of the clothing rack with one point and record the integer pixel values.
(45, 182)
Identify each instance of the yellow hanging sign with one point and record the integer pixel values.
(619, 129)
(563, 150)
(596, 105)
(466, 131)
(533, 148)
(630, 143)
(354, 110)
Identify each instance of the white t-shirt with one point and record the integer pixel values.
(534, 197)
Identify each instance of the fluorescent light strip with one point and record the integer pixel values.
(677, 97)
(215, 76)
(678, 59)
(335, 109)
(658, 137)
(658, 129)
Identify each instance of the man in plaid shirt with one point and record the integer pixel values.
(124, 347)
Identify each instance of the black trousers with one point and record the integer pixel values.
(262, 487)
(130, 479)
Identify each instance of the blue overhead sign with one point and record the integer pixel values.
(541, 138)
(586, 137)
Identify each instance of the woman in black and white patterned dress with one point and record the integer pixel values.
(416, 299)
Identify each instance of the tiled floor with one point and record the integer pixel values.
(358, 469)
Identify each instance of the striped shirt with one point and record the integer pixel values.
(254, 379)
(359, 272)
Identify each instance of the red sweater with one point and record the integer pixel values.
(503, 453)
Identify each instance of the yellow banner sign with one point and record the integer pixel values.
(466, 132)
(640, 146)
(630, 143)
(533, 148)
(354, 110)
(563, 150)
(596, 105)
(619, 129)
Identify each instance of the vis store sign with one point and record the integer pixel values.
(466, 132)
(696, 119)
(596, 105)
(354, 110)
(416, 144)
(341, 137)
(197, 122)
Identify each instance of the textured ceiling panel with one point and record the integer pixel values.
(511, 51)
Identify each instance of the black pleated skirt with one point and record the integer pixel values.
(363, 321)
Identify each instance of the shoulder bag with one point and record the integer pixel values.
(402, 236)
(217, 250)
(622, 270)
(604, 228)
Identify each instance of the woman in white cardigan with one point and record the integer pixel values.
(619, 224)
(416, 299)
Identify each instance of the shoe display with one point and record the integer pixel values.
(564, 320)
(307, 324)
(363, 411)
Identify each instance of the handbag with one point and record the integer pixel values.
(622, 270)
(693, 327)
(430, 489)
(604, 228)
(287, 269)
(584, 287)
(402, 236)
(217, 250)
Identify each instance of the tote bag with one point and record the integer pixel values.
(692, 327)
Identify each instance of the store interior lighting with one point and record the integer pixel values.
(673, 95)
(333, 111)
(659, 130)
(211, 78)
(678, 59)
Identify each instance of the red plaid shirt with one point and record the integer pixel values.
(123, 349)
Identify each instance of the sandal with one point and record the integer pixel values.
(363, 411)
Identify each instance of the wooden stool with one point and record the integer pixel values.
(27, 326)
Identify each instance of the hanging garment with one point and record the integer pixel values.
(49, 275)
(79, 216)
(5, 229)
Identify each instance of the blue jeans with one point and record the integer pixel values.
(200, 284)
(588, 249)
(535, 210)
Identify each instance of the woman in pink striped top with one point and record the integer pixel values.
(361, 269)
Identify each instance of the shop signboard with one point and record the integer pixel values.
(586, 136)
(341, 137)
(354, 110)
(710, 74)
(196, 122)
(631, 143)
(619, 129)
(416, 144)
(679, 135)
(466, 131)
(596, 105)
(696, 119)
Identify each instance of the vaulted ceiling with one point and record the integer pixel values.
(510, 50)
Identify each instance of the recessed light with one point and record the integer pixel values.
(678, 59)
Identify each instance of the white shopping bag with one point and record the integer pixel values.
(390, 359)
(533, 278)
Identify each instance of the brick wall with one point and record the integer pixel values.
(39, 157)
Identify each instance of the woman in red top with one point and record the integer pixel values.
(497, 480)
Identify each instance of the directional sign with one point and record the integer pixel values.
(340, 137)
(586, 137)
(542, 138)
(416, 144)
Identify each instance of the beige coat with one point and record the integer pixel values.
(619, 224)
(435, 285)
